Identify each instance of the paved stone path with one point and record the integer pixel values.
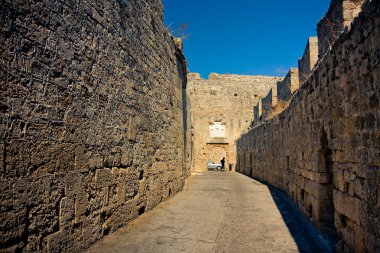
(217, 212)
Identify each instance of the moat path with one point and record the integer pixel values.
(216, 212)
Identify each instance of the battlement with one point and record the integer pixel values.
(249, 79)
(257, 112)
(289, 85)
(308, 60)
(339, 16)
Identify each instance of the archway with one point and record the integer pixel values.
(216, 153)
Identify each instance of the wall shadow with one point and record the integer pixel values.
(307, 237)
(304, 233)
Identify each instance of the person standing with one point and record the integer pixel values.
(222, 162)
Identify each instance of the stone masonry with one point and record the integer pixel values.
(268, 102)
(257, 113)
(222, 102)
(339, 15)
(308, 59)
(324, 149)
(277, 97)
(287, 87)
(93, 120)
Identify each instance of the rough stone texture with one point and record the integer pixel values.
(324, 150)
(308, 59)
(278, 96)
(257, 112)
(247, 216)
(228, 100)
(339, 15)
(268, 102)
(288, 86)
(92, 120)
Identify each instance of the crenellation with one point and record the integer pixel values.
(340, 15)
(269, 102)
(257, 110)
(309, 59)
(288, 86)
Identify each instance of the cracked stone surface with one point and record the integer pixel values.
(217, 212)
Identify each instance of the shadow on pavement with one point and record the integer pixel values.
(306, 236)
(304, 233)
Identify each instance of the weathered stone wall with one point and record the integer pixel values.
(228, 100)
(288, 86)
(309, 58)
(92, 120)
(257, 112)
(339, 15)
(268, 102)
(324, 150)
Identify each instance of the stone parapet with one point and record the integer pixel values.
(257, 112)
(340, 14)
(288, 86)
(308, 60)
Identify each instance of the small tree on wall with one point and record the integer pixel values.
(334, 28)
(179, 31)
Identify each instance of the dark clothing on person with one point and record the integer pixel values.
(223, 161)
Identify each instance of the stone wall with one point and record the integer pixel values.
(226, 102)
(324, 149)
(339, 15)
(92, 120)
(309, 58)
(288, 86)
(257, 112)
(268, 102)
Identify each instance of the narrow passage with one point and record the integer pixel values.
(217, 212)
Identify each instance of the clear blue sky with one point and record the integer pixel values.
(245, 36)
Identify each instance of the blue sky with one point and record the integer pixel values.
(245, 36)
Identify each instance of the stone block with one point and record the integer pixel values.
(121, 193)
(81, 159)
(103, 178)
(126, 158)
(66, 212)
(57, 242)
(95, 161)
(321, 178)
(73, 184)
(81, 205)
(356, 210)
(359, 189)
(341, 180)
(319, 191)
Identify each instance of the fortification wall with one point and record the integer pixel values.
(268, 102)
(288, 86)
(324, 150)
(257, 113)
(92, 120)
(339, 15)
(309, 58)
(228, 100)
